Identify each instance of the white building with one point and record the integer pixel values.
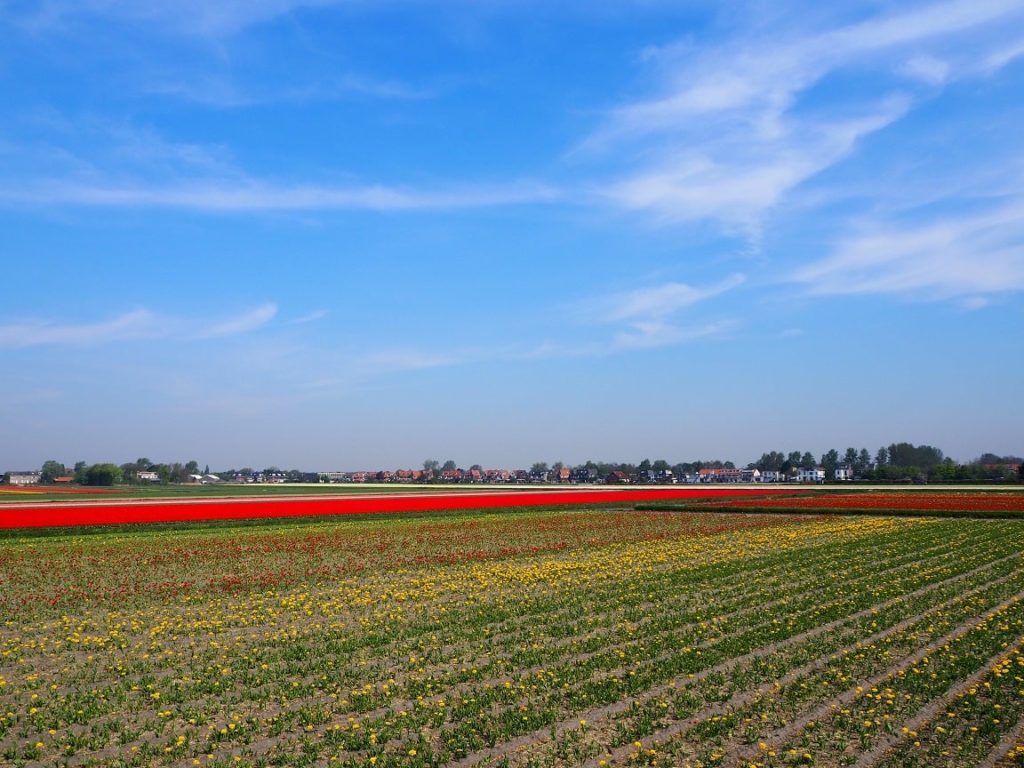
(816, 475)
(844, 473)
(24, 478)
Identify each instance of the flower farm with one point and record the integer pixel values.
(520, 637)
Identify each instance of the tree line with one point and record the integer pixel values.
(896, 462)
(106, 473)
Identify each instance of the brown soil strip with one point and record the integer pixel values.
(928, 712)
(599, 713)
(749, 753)
(745, 697)
(999, 756)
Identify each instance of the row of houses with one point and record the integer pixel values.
(22, 479)
(584, 475)
(581, 475)
(802, 475)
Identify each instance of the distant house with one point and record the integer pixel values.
(563, 474)
(772, 476)
(64, 479)
(584, 475)
(24, 478)
(723, 475)
(815, 475)
(358, 477)
(451, 475)
(843, 473)
(149, 477)
(616, 477)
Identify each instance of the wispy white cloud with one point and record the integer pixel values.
(248, 321)
(135, 325)
(649, 317)
(224, 93)
(309, 317)
(657, 302)
(653, 334)
(116, 165)
(191, 17)
(735, 178)
(1003, 56)
(736, 127)
(220, 196)
(928, 69)
(967, 257)
(618, 323)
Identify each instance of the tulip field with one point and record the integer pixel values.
(516, 637)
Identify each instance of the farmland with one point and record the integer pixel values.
(524, 637)
(31, 513)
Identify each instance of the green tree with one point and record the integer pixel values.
(103, 474)
(51, 471)
(129, 473)
(449, 466)
(81, 468)
(807, 460)
(882, 458)
(909, 455)
(770, 461)
(863, 460)
(431, 465)
(829, 461)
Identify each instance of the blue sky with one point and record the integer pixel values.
(349, 234)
